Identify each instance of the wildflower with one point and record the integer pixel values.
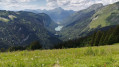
(31, 58)
(42, 65)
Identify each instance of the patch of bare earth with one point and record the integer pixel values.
(56, 65)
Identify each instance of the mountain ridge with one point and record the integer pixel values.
(22, 28)
(76, 23)
(104, 16)
(57, 14)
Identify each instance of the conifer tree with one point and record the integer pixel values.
(97, 38)
(101, 42)
(92, 39)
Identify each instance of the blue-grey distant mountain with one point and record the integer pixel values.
(57, 14)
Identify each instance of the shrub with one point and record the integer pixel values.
(35, 45)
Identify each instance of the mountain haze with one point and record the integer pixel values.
(57, 14)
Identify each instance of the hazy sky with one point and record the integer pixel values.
(50, 4)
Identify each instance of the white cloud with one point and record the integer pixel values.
(52, 3)
(16, 4)
(66, 4)
(19, 6)
(77, 4)
(15, 1)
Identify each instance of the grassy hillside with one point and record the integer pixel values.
(103, 56)
(103, 16)
(90, 19)
(75, 24)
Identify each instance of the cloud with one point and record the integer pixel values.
(15, 1)
(76, 4)
(51, 4)
(16, 4)
(19, 6)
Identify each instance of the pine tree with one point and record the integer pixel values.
(97, 38)
(35, 45)
(101, 42)
(107, 35)
(92, 39)
(114, 35)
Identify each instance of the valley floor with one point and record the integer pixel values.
(103, 56)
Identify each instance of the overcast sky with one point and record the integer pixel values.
(50, 4)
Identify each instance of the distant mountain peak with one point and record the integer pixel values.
(96, 6)
(117, 2)
(58, 9)
(57, 14)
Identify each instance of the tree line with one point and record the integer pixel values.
(33, 46)
(98, 38)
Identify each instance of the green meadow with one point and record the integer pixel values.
(102, 56)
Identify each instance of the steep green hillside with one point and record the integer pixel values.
(103, 56)
(108, 15)
(22, 28)
(78, 22)
(90, 19)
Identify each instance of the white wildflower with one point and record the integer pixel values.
(31, 58)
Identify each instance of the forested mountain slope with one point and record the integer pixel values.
(94, 17)
(22, 28)
(78, 22)
(103, 36)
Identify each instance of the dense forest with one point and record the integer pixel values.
(21, 28)
(98, 38)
